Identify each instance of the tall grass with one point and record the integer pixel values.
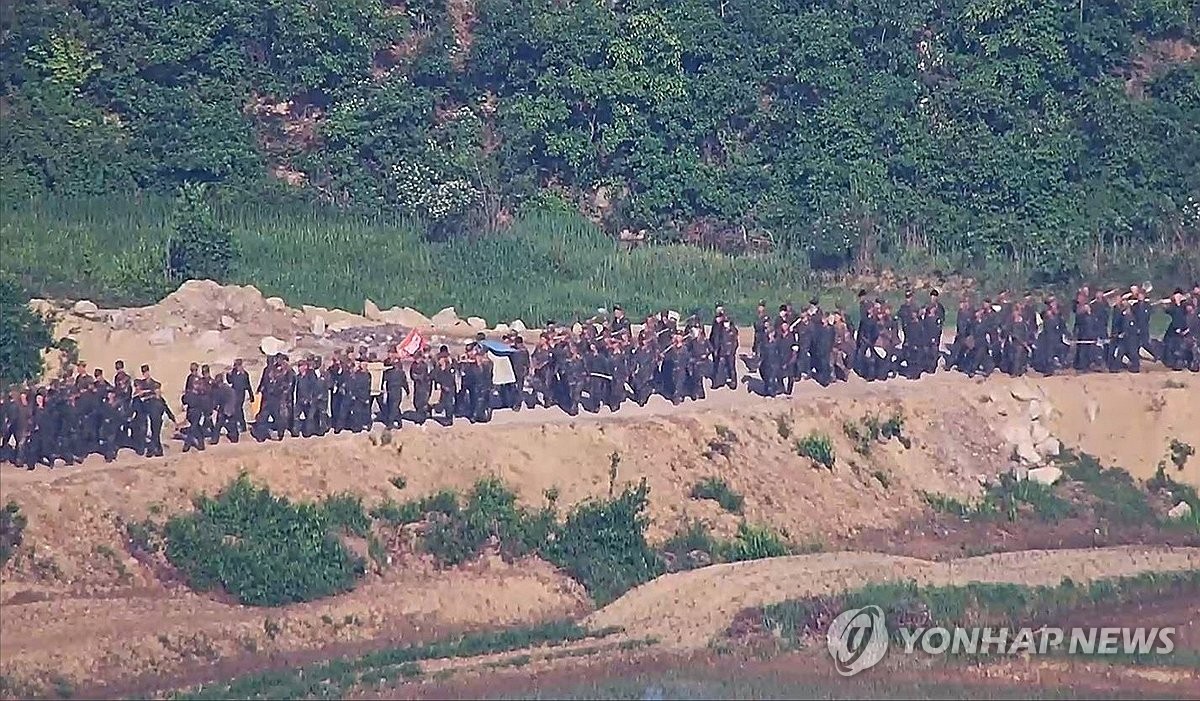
(544, 266)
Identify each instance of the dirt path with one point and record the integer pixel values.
(685, 611)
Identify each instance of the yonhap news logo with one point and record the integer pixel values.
(858, 639)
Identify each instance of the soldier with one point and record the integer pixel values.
(40, 432)
(574, 377)
(196, 400)
(762, 320)
(1087, 339)
(110, 418)
(422, 385)
(154, 407)
(308, 392)
(226, 408)
(271, 418)
(1124, 341)
(481, 410)
(444, 376)
(769, 365)
(1020, 337)
(724, 343)
(644, 370)
(620, 325)
(1175, 343)
(359, 396)
(143, 390)
(699, 363)
(239, 382)
(395, 386)
(674, 370)
(468, 370)
(619, 360)
(599, 378)
(520, 365)
(822, 350)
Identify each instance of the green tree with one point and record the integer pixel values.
(199, 248)
(24, 335)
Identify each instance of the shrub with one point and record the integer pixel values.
(394, 513)
(1118, 497)
(199, 248)
(262, 549)
(602, 545)
(24, 334)
(12, 530)
(817, 447)
(872, 429)
(716, 489)
(491, 513)
(754, 543)
(346, 511)
(1004, 498)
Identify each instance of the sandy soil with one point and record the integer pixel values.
(687, 610)
(75, 604)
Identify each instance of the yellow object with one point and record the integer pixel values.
(255, 405)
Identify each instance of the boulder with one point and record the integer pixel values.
(1025, 392)
(118, 319)
(1045, 475)
(270, 345)
(446, 317)
(209, 341)
(407, 317)
(1028, 453)
(1019, 471)
(1092, 408)
(1039, 433)
(1050, 447)
(518, 326)
(371, 310)
(318, 325)
(502, 329)
(161, 337)
(85, 308)
(477, 322)
(227, 321)
(1016, 434)
(1180, 511)
(276, 303)
(1035, 410)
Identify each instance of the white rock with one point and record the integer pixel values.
(407, 316)
(276, 303)
(518, 326)
(1045, 475)
(1016, 434)
(85, 308)
(371, 310)
(270, 345)
(1028, 454)
(227, 321)
(1024, 391)
(1020, 471)
(1093, 410)
(502, 329)
(1035, 410)
(118, 319)
(318, 325)
(1039, 433)
(162, 337)
(1181, 510)
(208, 341)
(1050, 447)
(446, 317)
(477, 322)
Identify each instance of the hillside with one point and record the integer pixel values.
(1059, 136)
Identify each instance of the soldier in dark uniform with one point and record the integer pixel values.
(155, 407)
(620, 325)
(724, 342)
(270, 422)
(674, 370)
(395, 386)
(958, 355)
(337, 374)
(1087, 339)
(443, 375)
(822, 351)
(762, 321)
(542, 381)
(599, 377)
(196, 403)
(520, 365)
(1124, 342)
(481, 408)
(308, 392)
(619, 360)
(360, 398)
(644, 361)
(239, 381)
(422, 385)
(770, 366)
(464, 401)
(109, 419)
(574, 378)
(699, 362)
(1175, 343)
(226, 409)
(38, 445)
(1020, 337)
(143, 389)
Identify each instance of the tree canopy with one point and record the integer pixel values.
(1009, 127)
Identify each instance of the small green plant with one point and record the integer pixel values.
(1005, 497)
(143, 537)
(1180, 452)
(12, 531)
(783, 426)
(345, 511)
(394, 513)
(377, 552)
(818, 447)
(693, 545)
(614, 459)
(718, 490)
(721, 445)
(872, 429)
(884, 479)
(263, 549)
(754, 543)
(1117, 496)
(398, 482)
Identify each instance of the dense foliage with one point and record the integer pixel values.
(24, 334)
(262, 549)
(1035, 131)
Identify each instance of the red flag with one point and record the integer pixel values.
(413, 342)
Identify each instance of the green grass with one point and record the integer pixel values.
(12, 530)
(818, 447)
(977, 604)
(333, 679)
(752, 542)
(545, 266)
(716, 489)
(873, 429)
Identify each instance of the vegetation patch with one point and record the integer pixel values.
(818, 447)
(694, 545)
(718, 490)
(1007, 498)
(263, 549)
(334, 679)
(12, 531)
(905, 604)
(872, 429)
(722, 445)
(24, 334)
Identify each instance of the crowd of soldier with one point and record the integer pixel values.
(602, 362)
